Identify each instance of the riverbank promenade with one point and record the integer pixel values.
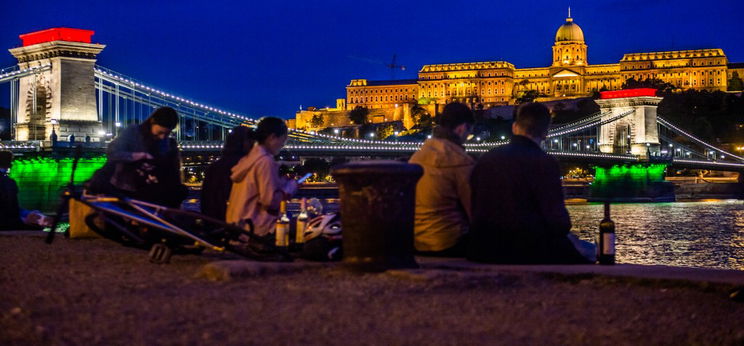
(96, 292)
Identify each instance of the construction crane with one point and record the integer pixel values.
(393, 66)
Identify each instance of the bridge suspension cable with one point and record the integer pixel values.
(590, 118)
(597, 122)
(671, 126)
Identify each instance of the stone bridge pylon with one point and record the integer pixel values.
(635, 133)
(62, 96)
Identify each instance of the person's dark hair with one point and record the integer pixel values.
(455, 114)
(239, 141)
(270, 126)
(164, 116)
(533, 118)
(6, 158)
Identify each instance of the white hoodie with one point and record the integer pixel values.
(256, 192)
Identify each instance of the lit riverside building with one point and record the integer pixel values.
(496, 83)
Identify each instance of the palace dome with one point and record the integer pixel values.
(569, 31)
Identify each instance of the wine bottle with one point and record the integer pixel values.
(282, 227)
(606, 238)
(301, 223)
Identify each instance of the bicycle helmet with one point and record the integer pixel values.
(328, 226)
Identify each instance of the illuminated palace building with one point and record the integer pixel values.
(493, 83)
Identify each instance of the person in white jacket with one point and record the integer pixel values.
(257, 188)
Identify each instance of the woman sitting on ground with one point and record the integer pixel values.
(257, 189)
(217, 184)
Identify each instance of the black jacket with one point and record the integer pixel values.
(216, 187)
(519, 215)
(10, 212)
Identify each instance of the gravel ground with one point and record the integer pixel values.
(95, 292)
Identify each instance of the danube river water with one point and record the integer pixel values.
(706, 234)
(693, 234)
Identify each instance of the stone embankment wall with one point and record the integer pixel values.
(703, 190)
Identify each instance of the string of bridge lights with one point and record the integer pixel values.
(20, 146)
(588, 155)
(586, 126)
(590, 118)
(25, 70)
(119, 78)
(726, 164)
(668, 124)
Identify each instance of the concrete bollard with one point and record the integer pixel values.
(377, 207)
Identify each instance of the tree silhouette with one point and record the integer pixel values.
(735, 83)
(358, 115)
(317, 120)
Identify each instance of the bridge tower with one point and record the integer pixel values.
(637, 131)
(61, 98)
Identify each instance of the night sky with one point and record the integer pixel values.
(269, 57)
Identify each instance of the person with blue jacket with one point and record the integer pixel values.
(144, 162)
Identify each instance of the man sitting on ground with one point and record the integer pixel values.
(443, 193)
(519, 215)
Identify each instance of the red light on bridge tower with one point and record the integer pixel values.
(57, 34)
(604, 95)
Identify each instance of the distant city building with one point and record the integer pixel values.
(496, 83)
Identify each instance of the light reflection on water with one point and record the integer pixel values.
(691, 234)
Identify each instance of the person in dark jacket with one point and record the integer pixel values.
(12, 216)
(217, 184)
(519, 215)
(144, 163)
(10, 212)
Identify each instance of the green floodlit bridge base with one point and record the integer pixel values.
(42, 179)
(631, 183)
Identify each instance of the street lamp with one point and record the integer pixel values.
(371, 135)
(54, 133)
(335, 131)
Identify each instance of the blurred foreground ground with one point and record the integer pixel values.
(95, 292)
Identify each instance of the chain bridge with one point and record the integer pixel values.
(57, 88)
